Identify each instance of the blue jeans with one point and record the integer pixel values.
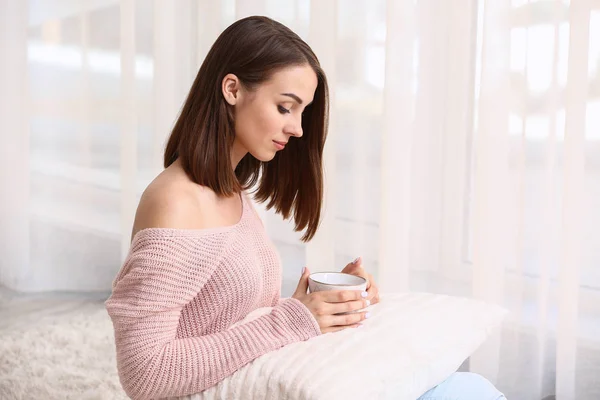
(464, 386)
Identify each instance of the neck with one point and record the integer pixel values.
(237, 153)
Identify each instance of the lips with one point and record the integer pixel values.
(279, 145)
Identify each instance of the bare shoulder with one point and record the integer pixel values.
(168, 202)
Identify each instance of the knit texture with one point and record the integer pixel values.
(177, 296)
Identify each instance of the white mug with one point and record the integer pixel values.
(320, 281)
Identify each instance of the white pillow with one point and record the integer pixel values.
(411, 343)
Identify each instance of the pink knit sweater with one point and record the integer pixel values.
(177, 295)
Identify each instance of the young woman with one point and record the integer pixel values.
(200, 260)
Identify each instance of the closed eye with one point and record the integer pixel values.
(283, 110)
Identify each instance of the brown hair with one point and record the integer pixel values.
(253, 49)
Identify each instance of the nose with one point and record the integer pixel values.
(295, 129)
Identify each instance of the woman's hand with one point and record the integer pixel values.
(356, 268)
(326, 304)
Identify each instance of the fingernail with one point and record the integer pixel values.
(368, 302)
(364, 294)
(355, 260)
(367, 315)
(303, 270)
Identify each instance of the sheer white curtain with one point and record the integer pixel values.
(463, 156)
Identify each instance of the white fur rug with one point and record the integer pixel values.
(66, 357)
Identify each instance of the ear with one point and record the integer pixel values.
(230, 87)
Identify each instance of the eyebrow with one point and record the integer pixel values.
(293, 96)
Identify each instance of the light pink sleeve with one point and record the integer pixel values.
(281, 300)
(148, 296)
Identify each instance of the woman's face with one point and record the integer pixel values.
(267, 117)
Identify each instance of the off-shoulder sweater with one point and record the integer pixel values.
(177, 296)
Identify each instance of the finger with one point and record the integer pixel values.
(372, 292)
(376, 300)
(363, 274)
(349, 306)
(332, 329)
(358, 262)
(375, 293)
(303, 282)
(342, 296)
(347, 319)
(370, 284)
(353, 267)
